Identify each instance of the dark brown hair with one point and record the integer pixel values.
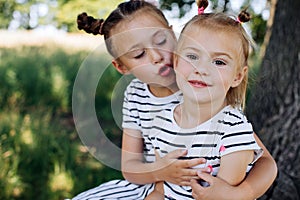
(124, 10)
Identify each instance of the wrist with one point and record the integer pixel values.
(243, 192)
(157, 173)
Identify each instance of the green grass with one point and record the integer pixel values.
(41, 155)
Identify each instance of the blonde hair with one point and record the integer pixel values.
(221, 22)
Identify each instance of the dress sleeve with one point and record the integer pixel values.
(239, 136)
(131, 119)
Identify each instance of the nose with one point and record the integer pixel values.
(201, 67)
(155, 55)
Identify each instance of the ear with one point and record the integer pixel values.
(239, 76)
(120, 67)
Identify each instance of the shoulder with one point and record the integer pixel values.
(233, 117)
(233, 122)
(136, 89)
(136, 84)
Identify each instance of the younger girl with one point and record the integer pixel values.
(211, 71)
(139, 38)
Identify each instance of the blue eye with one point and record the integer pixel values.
(219, 62)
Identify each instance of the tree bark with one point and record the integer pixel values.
(274, 107)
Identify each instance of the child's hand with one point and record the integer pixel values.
(216, 190)
(178, 171)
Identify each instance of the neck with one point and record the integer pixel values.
(163, 91)
(190, 114)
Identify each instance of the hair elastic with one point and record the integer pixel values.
(101, 27)
(201, 10)
(238, 20)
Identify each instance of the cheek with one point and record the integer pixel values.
(226, 81)
(168, 56)
(183, 68)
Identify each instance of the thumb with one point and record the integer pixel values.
(205, 177)
(157, 155)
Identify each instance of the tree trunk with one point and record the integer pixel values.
(274, 107)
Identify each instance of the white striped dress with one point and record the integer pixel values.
(227, 132)
(139, 109)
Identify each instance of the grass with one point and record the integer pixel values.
(41, 155)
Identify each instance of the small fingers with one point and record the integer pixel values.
(189, 172)
(205, 177)
(157, 156)
(196, 162)
(196, 189)
(177, 153)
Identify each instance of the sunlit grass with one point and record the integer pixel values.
(60, 179)
(41, 155)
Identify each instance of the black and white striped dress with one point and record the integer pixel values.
(139, 109)
(227, 132)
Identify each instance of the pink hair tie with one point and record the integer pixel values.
(200, 10)
(238, 20)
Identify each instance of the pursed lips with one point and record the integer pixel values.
(165, 70)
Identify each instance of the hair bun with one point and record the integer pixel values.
(89, 24)
(202, 3)
(244, 16)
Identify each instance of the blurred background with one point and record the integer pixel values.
(41, 51)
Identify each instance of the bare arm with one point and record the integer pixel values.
(168, 168)
(264, 172)
(233, 166)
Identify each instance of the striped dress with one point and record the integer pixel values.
(227, 132)
(139, 109)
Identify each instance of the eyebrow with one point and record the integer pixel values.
(222, 54)
(137, 45)
(213, 54)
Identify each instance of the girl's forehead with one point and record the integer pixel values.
(211, 41)
(209, 35)
(138, 33)
(140, 20)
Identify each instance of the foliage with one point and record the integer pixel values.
(21, 10)
(67, 14)
(29, 14)
(41, 156)
(259, 28)
(62, 14)
(257, 24)
(6, 9)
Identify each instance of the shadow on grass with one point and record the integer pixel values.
(41, 155)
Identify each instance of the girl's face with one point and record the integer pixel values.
(145, 48)
(207, 65)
